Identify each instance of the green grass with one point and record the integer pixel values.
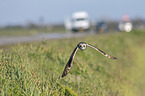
(29, 31)
(33, 69)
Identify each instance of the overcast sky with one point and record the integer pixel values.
(54, 11)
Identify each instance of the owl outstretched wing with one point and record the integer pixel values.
(82, 46)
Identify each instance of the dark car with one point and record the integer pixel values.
(101, 27)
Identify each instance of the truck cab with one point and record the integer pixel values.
(80, 21)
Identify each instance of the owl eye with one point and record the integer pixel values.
(83, 46)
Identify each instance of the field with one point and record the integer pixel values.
(22, 31)
(33, 69)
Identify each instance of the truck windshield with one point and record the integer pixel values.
(80, 19)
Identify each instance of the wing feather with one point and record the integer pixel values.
(69, 63)
(102, 52)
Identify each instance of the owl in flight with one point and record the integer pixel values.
(82, 46)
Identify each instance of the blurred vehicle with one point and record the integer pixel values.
(78, 22)
(67, 23)
(101, 27)
(125, 24)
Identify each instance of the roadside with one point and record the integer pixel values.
(5, 40)
(137, 73)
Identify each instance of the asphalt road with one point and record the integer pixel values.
(21, 39)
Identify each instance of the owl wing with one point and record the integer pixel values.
(69, 63)
(102, 52)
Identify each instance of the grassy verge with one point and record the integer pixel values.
(33, 69)
(29, 31)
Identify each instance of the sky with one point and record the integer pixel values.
(54, 11)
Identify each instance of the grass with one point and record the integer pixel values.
(33, 69)
(16, 31)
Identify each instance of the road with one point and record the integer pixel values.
(21, 39)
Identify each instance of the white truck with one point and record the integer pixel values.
(79, 22)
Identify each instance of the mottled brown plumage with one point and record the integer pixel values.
(82, 46)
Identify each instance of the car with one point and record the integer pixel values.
(101, 26)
